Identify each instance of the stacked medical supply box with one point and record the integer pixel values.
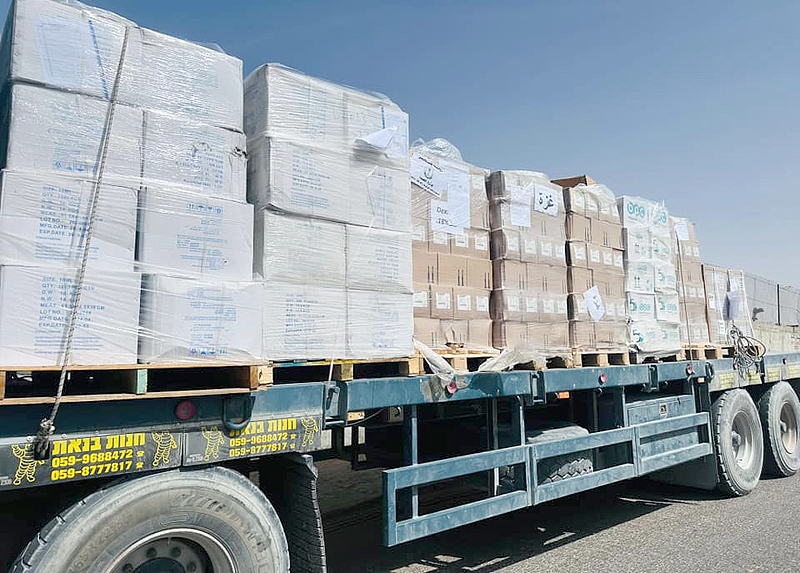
(693, 326)
(450, 233)
(90, 95)
(529, 296)
(328, 175)
(726, 304)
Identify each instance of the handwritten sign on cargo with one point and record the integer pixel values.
(594, 303)
(426, 174)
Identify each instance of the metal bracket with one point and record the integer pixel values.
(247, 412)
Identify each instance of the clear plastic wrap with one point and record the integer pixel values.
(451, 254)
(694, 326)
(651, 276)
(55, 131)
(192, 320)
(35, 305)
(43, 219)
(789, 306)
(726, 303)
(77, 48)
(328, 172)
(762, 298)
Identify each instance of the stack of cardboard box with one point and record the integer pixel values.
(529, 300)
(726, 303)
(174, 161)
(650, 277)
(328, 175)
(691, 289)
(595, 275)
(452, 265)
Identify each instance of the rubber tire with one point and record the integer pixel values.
(90, 534)
(559, 468)
(733, 479)
(778, 461)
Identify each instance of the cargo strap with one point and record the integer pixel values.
(47, 425)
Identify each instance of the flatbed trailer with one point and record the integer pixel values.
(164, 481)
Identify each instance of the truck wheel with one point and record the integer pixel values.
(780, 411)
(210, 520)
(738, 443)
(560, 467)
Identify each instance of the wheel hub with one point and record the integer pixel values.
(175, 551)
(788, 427)
(742, 440)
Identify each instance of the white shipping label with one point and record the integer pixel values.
(513, 243)
(696, 250)
(520, 206)
(610, 311)
(443, 220)
(531, 304)
(440, 238)
(580, 252)
(545, 200)
(421, 299)
(682, 229)
(692, 291)
(712, 301)
(548, 306)
(513, 303)
(418, 233)
(427, 175)
(481, 242)
(561, 255)
(621, 309)
(594, 303)
(618, 260)
(594, 255)
(530, 246)
(608, 259)
(443, 300)
(482, 303)
(547, 249)
(464, 302)
(462, 241)
(457, 193)
(562, 306)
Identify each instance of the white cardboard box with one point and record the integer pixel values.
(35, 309)
(197, 320)
(378, 259)
(299, 250)
(379, 324)
(186, 233)
(302, 322)
(77, 48)
(380, 194)
(44, 216)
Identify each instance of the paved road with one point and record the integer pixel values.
(636, 527)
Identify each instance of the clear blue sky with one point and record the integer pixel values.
(694, 103)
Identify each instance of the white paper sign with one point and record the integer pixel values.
(464, 302)
(482, 303)
(442, 220)
(427, 175)
(682, 229)
(378, 139)
(420, 299)
(520, 207)
(545, 200)
(594, 303)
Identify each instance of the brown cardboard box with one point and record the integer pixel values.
(419, 234)
(465, 303)
(577, 254)
(529, 246)
(422, 300)
(552, 338)
(505, 244)
(506, 305)
(574, 200)
(452, 270)
(441, 301)
(611, 336)
(424, 266)
(480, 334)
(555, 280)
(576, 307)
(690, 272)
(480, 244)
(472, 243)
(531, 307)
(454, 332)
(553, 307)
(582, 335)
(610, 284)
(427, 331)
(439, 242)
(619, 260)
(615, 310)
(575, 180)
(551, 252)
(509, 274)
(595, 256)
(579, 279)
(479, 274)
(579, 228)
(692, 311)
(509, 334)
(482, 300)
(607, 234)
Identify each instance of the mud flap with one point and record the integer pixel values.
(290, 483)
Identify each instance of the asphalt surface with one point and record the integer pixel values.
(634, 527)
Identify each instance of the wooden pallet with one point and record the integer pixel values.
(583, 358)
(705, 352)
(460, 359)
(38, 384)
(343, 369)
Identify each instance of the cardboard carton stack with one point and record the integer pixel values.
(452, 266)
(726, 303)
(328, 175)
(691, 289)
(529, 300)
(596, 275)
(650, 277)
(175, 163)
